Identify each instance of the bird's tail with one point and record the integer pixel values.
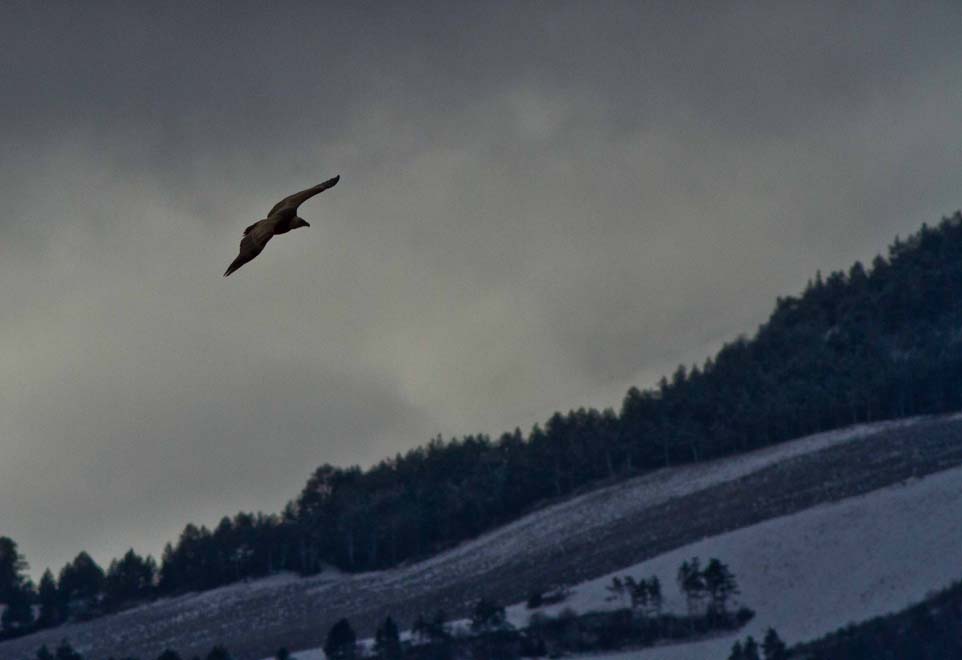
(237, 263)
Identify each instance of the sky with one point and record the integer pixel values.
(540, 205)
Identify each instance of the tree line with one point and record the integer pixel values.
(874, 342)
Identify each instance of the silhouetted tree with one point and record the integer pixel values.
(737, 652)
(81, 579)
(719, 583)
(773, 646)
(219, 653)
(487, 616)
(50, 599)
(617, 590)
(128, 579)
(387, 641)
(66, 652)
(12, 567)
(692, 584)
(17, 617)
(341, 643)
(655, 598)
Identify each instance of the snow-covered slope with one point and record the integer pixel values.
(809, 573)
(655, 517)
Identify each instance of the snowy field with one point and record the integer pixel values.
(862, 555)
(601, 507)
(808, 573)
(812, 572)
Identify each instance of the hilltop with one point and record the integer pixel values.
(586, 537)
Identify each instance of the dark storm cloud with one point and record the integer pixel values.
(541, 205)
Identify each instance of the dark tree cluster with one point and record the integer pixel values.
(82, 590)
(65, 651)
(930, 630)
(16, 590)
(644, 596)
(491, 637)
(855, 346)
(707, 591)
(772, 648)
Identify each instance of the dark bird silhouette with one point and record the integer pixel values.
(280, 220)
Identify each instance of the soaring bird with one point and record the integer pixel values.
(280, 220)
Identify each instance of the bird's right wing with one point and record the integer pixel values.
(255, 238)
(295, 200)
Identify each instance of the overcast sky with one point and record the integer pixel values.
(541, 204)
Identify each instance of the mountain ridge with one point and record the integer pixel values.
(254, 619)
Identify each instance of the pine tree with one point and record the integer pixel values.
(128, 579)
(487, 616)
(43, 653)
(18, 614)
(169, 654)
(341, 641)
(81, 579)
(282, 654)
(387, 641)
(720, 584)
(691, 583)
(654, 595)
(773, 647)
(638, 591)
(751, 649)
(737, 652)
(12, 566)
(66, 652)
(617, 589)
(218, 653)
(52, 606)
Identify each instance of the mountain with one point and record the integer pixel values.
(871, 343)
(592, 536)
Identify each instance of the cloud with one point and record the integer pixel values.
(540, 206)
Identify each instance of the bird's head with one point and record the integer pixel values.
(300, 222)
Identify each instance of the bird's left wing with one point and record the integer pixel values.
(295, 200)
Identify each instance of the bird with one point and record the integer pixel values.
(280, 220)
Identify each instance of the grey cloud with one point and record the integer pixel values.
(540, 206)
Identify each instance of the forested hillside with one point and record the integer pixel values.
(929, 630)
(873, 342)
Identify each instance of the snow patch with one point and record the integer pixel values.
(812, 572)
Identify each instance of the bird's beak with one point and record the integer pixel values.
(307, 223)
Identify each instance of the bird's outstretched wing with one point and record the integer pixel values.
(255, 238)
(295, 200)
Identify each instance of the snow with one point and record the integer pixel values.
(598, 509)
(312, 654)
(769, 553)
(813, 572)
(805, 574)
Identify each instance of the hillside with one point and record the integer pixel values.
(929, 629)
(809, 573)
(856, 346)
(586, 537)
